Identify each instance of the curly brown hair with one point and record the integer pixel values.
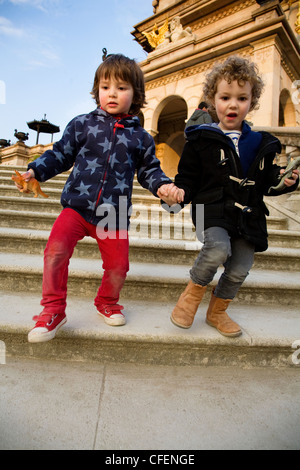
(122, 68)
(234, 68)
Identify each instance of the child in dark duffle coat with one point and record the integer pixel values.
(228, 168)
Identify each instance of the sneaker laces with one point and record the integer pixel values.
(112, 308)
(44, 318)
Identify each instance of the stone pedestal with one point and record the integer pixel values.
(20, 154)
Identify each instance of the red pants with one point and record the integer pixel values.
(67, 230)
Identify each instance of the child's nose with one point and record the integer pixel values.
(112, 92)
(233, 103)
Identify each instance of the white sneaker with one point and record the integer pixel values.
(46, 326)
(112, 314)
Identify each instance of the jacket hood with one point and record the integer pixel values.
(193, 132)
(126, 119)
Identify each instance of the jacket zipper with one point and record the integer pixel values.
(116, 125)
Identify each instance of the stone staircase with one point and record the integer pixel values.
(162, 250)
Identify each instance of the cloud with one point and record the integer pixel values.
(43, 58)
(43, 5)
(7, 28)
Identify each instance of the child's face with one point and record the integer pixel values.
(115, 96)
(232, 103)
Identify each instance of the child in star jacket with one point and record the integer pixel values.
(104, 149)
(105, 152)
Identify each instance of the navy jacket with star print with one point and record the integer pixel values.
(105, 153)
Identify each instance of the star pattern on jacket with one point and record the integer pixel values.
(122, 139)
(121, 185)
(104, 154)
(68, 148)
(105, 145)
(95, 130)
(83, 188)
(92, 165)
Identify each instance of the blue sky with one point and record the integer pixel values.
(49, 52)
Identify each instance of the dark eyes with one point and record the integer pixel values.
(121, 88)
(226, 98)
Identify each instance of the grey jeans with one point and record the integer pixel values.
(235, 254)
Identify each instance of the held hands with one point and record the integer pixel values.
(170, 194)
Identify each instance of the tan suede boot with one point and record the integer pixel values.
(184, 313)
(217, 317)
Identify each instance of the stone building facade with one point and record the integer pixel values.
(184, 38)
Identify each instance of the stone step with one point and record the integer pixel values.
(140, 195)
(284, 238)
(27, 202)
(142, 201)
(143, 250)
(150, 338)
(267, 306)
(181, 230)
(169, 228)
(146, 281)
(277, 223)
(6, 171)
(54, 186)
(52, 204)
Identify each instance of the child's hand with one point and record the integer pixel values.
(26, 177)
(291, 181)
(170, 194)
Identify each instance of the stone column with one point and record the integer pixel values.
(267, 57)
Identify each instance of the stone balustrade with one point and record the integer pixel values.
(289, 138)
(19, 154)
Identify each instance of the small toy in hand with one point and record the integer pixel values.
(293, 165)
(28, 186)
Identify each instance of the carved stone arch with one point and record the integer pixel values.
(169, 119)
(157, 112)
(287, 112)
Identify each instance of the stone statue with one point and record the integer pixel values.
(157, 35)
(176, 33)
(162, 37)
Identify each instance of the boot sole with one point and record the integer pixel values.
(178, 324)
(228, 335)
